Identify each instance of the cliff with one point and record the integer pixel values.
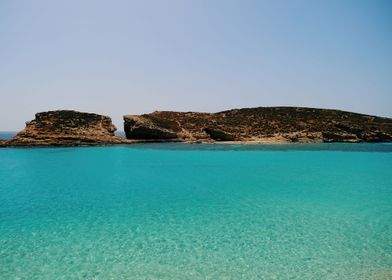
(66, 128)
(263, 124)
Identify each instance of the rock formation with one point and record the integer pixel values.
(263, 124)
(2, 143)
(67, 128)
(257, 125)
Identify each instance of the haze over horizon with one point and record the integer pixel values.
(131, 57)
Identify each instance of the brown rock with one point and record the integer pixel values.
(67, 128)
(263, 124)
(2, 143)
(138, 127)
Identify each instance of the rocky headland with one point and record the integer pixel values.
(260, 125)
(67, 128)
(249, 125)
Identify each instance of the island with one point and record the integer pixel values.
(249, 125)
(67, 128)
(260, 125)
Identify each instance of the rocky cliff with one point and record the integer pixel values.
(66, 128)
(263, 124)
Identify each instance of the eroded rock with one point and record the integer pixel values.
(263, 124)
(67, 128)
(138, 127)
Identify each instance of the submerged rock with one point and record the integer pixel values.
(263, 124)
(67, 128)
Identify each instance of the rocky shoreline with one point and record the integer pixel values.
(67, 128)
(262, 125)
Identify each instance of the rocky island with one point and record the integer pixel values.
(67, 128)
(249, 125)
(260, 125)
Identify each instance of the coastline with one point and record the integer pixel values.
(247, 126)
(127, 142)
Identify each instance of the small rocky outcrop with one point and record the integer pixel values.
(67, 128)
(263, 124)
(3, 143)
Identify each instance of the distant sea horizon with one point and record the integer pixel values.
(5, 135)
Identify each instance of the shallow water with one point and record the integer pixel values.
(182, 211)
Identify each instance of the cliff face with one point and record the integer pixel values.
(263, 124)
(66, 128)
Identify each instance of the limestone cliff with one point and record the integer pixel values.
(67, 128)
(263, 124)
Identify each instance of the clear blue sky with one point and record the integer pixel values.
(130, 57)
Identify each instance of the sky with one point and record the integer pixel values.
(131, 57)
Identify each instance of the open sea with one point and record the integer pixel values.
(5, 135)
(190, 211)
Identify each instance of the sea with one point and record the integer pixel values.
(197, 211)
(5, 135)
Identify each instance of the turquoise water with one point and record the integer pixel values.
(181, 211)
